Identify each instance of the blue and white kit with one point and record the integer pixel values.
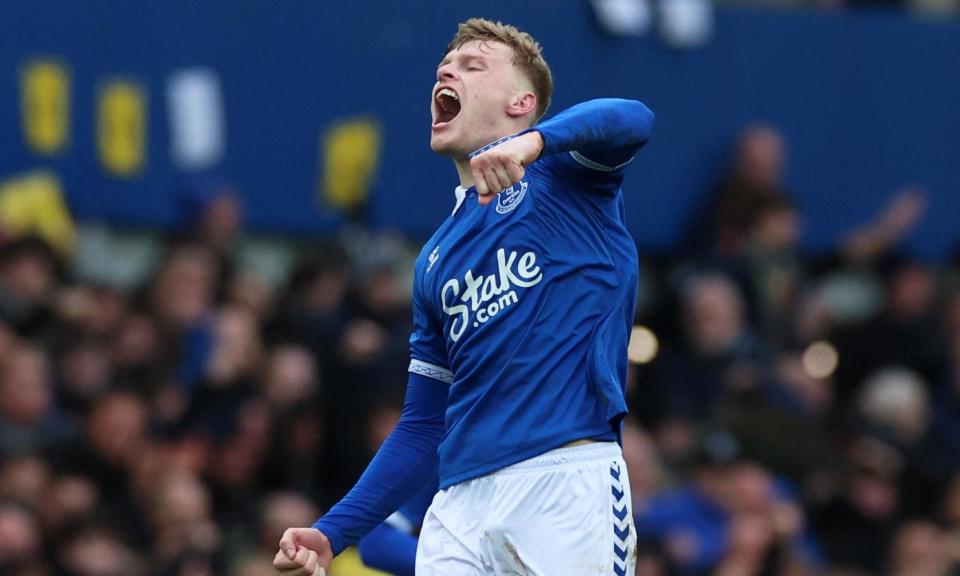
(522, 315)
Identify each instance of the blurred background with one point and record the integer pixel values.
(208, 217)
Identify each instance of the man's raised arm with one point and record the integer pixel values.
(605, 131)
(601, 136)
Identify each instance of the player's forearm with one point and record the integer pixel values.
(607, 130)
(406, 461)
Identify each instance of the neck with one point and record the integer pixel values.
(463, 163)
(463, 170)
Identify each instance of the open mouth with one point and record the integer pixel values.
(447, 106)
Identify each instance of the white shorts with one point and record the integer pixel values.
(566, 512)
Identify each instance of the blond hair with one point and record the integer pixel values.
(527, 53)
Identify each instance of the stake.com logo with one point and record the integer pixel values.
(483, 297)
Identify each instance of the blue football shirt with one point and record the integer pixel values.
(524, 307)
(522, 314)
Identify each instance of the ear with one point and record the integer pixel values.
(522, 104)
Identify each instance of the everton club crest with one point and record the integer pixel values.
(511, 197)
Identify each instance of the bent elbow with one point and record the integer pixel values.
(642, 120)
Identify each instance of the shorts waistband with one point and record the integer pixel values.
(597, 451)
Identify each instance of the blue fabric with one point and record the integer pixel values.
(608, 131)
(389, 550)
(392, 550)
(404, 464)
(526, 305)
(416, 508)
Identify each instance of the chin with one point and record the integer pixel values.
(445, 146)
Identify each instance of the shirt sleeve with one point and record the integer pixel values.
(404, 464)
(596, 139)
(389, 549)
(392, 546)
(428, 345)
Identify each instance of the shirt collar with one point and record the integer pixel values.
(461, 194)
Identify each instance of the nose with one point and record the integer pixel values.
(445, 72)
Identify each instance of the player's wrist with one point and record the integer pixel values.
(331, 536)
(536, 139)
(533, 142)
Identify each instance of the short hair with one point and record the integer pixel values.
(527, 53)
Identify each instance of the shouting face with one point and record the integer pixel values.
(480, 95)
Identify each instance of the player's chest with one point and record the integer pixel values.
(483, 260)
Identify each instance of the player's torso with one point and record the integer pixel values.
(497, 276)
(520, 287)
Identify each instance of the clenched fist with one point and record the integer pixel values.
(303, 552)
(504, 165)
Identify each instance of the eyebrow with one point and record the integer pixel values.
(466, 58)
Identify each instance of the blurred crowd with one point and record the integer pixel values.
(180, 426)
(801, 413)
(792, 414)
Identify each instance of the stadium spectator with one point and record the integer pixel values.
(756, 175)
(896, 400)
(28, 419)
(181, 524)
(238, 453)
(70, 500)
(140, 361)
(97, 549)
(29, 276)
(85, 371)
(770, 268)
(733, 517)
(278, 511)
(297, 457)
(907, 333)
(717, 356)
(20, 540)
(212, 217)
(290, 377)
(942, 443)
(857, 526)
(107, 452)
(25, 478)
(921, 549)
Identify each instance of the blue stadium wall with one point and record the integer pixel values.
(869, 101)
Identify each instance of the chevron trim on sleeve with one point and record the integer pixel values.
(431, 371)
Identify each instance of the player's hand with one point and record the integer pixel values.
(503, 166)
(303, 552)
